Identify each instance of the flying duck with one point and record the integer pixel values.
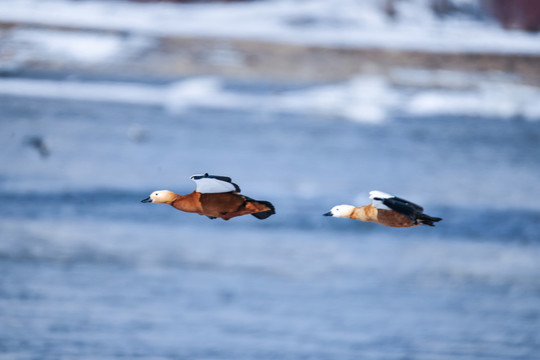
(216, 197)
(387, 210)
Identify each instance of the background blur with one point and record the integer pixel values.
(307, 104)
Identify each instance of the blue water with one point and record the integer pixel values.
(89, 272)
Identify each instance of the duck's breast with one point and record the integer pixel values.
(189, 203)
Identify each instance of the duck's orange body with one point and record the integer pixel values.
(390, 218)
(219, 205)
(387, 210)
(224, 205)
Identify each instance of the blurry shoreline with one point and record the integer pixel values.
(171, 56)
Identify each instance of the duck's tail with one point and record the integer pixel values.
(427, 220)
(261, 209)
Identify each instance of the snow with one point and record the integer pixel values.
(363, 99)
(87, 47)
(371, 99)
(341, 23)
(503, 101)
(72, 90)
(74, 46)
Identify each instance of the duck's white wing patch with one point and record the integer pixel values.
(378, 204)
(379, 194)
(211, 184)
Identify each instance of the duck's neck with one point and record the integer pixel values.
(169, 198)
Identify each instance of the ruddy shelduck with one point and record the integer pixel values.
(215, 197)
(387, 210)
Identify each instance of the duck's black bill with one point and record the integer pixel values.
(328, 214)
(148, 199)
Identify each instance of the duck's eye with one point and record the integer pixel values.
(156, 194)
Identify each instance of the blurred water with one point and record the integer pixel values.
(88, 272)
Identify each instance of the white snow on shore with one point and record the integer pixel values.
(79, 46)
(85, 47)
(364, 99)
(367, 99)
(340, 23)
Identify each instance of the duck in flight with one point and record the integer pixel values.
(387, 210)
(216, 197)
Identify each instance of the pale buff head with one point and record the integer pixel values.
(341, 211)
(160, 197)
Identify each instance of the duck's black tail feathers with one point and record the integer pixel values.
(264, 214)
(427, 220)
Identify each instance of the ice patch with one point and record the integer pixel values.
(504, 101)
(203, 92)
(114, 92)
(364, 99)
(78, 46)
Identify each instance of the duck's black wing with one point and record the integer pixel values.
(403, 207)
(407, 202)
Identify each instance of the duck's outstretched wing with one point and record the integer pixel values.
(404, 207)
(211, 184)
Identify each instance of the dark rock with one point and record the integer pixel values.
(515, 14)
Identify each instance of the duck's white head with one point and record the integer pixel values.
(341, 211)
(160, 197)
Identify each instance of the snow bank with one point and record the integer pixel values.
(364, 99)
(86, 47)
(322, 22)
